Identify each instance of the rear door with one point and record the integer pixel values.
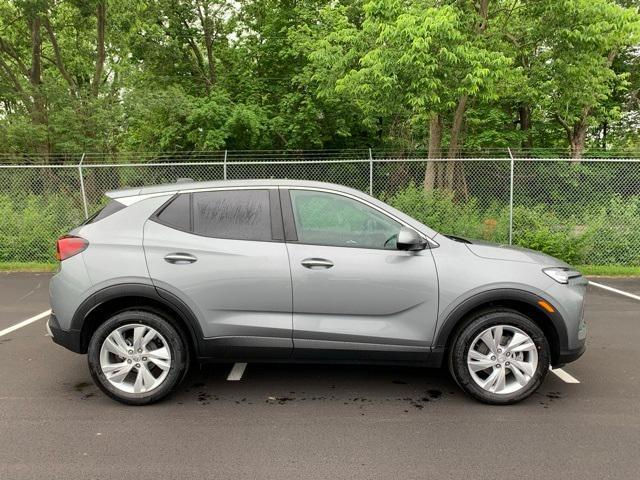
(354, 294)
(222, 253)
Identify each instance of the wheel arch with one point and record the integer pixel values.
(110, 300)
(521, 301)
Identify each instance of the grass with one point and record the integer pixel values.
(610, 270)
(596, 270)
(27, 267)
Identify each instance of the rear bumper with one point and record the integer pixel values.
(69, 339)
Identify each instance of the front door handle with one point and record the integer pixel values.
(316, 263)
(180, 258)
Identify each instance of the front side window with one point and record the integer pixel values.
(234, 214)
(335, 220)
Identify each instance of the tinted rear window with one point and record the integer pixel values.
(177, 213)
(236, 214)
(112, 207)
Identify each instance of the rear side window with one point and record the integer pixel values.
(112, 207)
(235, 214)
(177, 213)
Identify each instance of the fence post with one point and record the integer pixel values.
(511, 199)
(224, 166)
(84, 194)
(370, 173)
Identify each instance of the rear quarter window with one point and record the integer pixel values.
(177, 213)
(110, 208)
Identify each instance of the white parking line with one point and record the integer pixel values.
(24, 323)
(564, 376)
(236, 372)
(614, 290)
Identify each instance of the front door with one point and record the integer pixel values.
(354, 293)
(222, 253)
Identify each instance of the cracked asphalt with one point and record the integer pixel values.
(316, 421)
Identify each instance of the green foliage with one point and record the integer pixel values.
(540, 229)
(611, 233)
(32, 223)
(605, 235)
(438, 210)
(260, 74)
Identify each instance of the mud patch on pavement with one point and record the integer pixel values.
(549, 398)
(205, 398)
(81, 387)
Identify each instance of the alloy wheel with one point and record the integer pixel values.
(135, 358)
(502, 359)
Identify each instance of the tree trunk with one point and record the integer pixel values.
(101, 17)
(524, 111)
(577, 139)
(435, 144)
(454, 145)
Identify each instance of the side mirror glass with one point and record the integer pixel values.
(408, 239)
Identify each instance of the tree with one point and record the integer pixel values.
(577, 42)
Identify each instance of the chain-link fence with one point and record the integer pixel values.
(586, 212)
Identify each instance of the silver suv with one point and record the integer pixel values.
(280, 270)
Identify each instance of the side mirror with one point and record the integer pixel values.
(409, 239)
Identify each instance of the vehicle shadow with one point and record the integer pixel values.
(286, 384)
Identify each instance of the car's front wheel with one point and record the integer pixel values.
(499, 357)
(137, 357)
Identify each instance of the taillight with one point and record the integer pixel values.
(68, 246)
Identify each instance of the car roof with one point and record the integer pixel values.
(186, 185)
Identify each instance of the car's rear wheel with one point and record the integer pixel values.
(137, 357)
(499, 357)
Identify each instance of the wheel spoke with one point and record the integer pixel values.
(491, 380)
(161, 353)
(115, 344)
(479, 361)
(162, 364)
(499, 384)
(149, 379)
(525, 367)
(138, 386)
(520, 377)
(489, 341)
(519, 343)
(497, 336)
(138, 334)
(150, 335)
(117, 372)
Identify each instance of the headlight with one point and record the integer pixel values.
(561, 274)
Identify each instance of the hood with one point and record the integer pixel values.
(511, 253)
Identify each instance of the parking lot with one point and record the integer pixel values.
(317, 421)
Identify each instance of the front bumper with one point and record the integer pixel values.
(569, 356)
(69, 339)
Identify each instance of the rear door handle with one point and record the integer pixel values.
(316, 263)
(180, 258)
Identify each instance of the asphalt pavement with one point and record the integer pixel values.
(317, 422)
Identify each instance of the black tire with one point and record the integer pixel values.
(175, 342)
(476, 325)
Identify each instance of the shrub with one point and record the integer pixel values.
(540, 229)
(439, 210)
(32, 223)
(612, 233)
